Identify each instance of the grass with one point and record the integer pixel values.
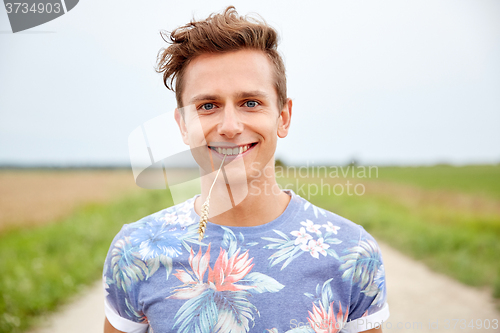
(471, 179)
(44, 266)
(447, 217)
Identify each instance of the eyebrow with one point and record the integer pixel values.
(243, 94)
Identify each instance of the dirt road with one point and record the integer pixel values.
(420, 301)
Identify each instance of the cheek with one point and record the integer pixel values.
(197, 131)
(272, 132)
(265, 126)
(197, 138)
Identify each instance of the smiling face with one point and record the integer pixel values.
(231, 108)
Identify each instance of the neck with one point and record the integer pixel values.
(243, 203)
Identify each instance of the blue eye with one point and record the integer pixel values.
(208, 106)
(251, 104)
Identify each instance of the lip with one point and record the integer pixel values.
(228, 145)
(223, 144)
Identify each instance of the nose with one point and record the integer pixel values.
(230, 125)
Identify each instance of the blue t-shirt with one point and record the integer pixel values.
(309, 270)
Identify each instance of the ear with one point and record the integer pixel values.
(285, 119)
(179, 118)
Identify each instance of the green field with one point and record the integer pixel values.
(447, 217)
(472, 179)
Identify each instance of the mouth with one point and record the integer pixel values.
(232, 150)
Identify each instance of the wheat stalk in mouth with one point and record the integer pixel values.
(206, 205)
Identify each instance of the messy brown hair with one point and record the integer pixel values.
(218, 33)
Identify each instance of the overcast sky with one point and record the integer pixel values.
(383, 82)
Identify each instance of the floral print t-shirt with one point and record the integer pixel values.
(309, 270)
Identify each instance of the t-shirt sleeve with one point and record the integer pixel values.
(123, 271)
(368, 308)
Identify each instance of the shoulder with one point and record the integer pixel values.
(157, 233)
(139, 248)
(178, 216)
(310, 215)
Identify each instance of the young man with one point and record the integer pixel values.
(268, 260)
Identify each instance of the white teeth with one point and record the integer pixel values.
(232, 151)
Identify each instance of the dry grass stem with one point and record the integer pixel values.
(206, 206)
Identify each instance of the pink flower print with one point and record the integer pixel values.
(331, 228)
(311, 227)
(311, 248)
(325, 321)
(321, 246)
(302, 236)
(193, 281)
(228, 271)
